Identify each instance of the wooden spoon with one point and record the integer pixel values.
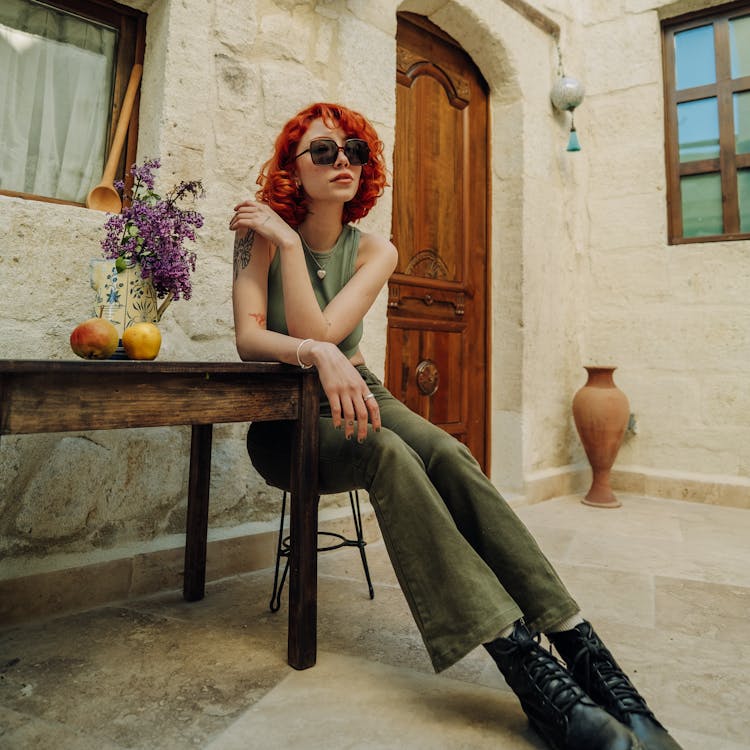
(104, 197)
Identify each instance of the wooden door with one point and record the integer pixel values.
(436, 356)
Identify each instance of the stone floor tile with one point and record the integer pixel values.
(347, 564)
(711, 531)
(18, 732)
(693, 684)
(553, 540)
(379, 707)
(665, 583)
(702, 609)
(129, 676)
(648, 518)
(622, 596)
(696, 741)
(669, 558)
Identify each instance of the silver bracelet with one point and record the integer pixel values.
(299, 361)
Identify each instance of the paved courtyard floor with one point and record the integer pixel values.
(666, 583)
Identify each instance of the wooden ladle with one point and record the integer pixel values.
(104, 197)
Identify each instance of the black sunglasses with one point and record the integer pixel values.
(325, 151)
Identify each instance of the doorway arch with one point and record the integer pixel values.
(535, 313)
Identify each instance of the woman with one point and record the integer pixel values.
(304, 278)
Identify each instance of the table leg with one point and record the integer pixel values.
(197, 512)
(303, 515)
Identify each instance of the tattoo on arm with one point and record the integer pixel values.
(259, 318)
(243, 247)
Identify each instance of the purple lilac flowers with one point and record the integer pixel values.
(152, 231)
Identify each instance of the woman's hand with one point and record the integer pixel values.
(348, 394)
(263, 220)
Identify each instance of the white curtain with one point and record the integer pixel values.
(55, 100)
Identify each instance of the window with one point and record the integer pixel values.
(64, 69)
(707, 102)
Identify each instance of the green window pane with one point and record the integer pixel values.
(743, 191)
(698, 129)
(739, 46)
(695, 62)
(701, 205)
(742, 122)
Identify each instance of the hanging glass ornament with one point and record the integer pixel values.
(573, 142)
(567, 94)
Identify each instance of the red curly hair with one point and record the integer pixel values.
(278, 187)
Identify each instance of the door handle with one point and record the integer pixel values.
(428, 377)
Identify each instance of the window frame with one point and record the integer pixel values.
(131, 46)
(728, 161)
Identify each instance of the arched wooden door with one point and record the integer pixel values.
(437, 352)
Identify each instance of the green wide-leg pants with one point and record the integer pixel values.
(465, 562)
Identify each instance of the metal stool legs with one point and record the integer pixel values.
(282, 549)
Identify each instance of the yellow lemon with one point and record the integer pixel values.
(141, 341)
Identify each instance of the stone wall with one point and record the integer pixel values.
(220, 78)
(674, 318)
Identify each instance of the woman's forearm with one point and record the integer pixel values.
(268, 346)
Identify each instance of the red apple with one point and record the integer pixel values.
(95, 338)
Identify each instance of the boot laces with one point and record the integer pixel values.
(549, 677)
(594, 657)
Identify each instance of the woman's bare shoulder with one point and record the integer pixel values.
(374, 246)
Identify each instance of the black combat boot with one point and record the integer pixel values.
(557, 707)
(596, 671)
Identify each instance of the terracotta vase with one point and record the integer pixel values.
(601, 412)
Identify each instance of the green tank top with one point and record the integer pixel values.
(339, 263)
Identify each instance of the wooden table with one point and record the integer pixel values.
(58, 396)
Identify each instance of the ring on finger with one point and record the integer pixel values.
(369, 395)
(350, 423)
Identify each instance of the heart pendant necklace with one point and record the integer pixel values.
(321, 272)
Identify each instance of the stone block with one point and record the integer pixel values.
(57, 502)
(622, 53)
(507, 451)
(380, 14)
(599, 11)
(630, 276)
(30, 597)
(702, 450)
(156, 570)
(725, 400)
(237, 35)
(623, 136)
(629, 220)
(736, 494)
(672, 8)
(374, 96)
(286, 36)
(665, 337)
(238, 89)
(300, 87)
(626, 480)
(716, 274)
(643, 6)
